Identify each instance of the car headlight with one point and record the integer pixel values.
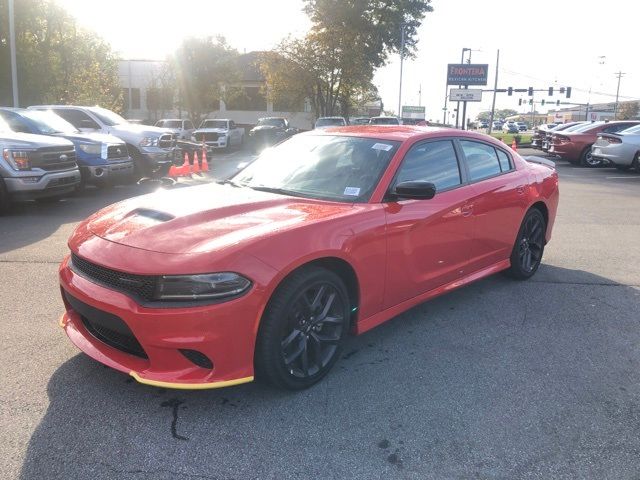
(91, 148)
(18, 159)
(149, 142)
(208, 286)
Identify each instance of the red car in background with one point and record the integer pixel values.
(575, 146)
(329, 232)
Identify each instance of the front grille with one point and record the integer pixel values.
(106, 327)
(167, 140)
(117, 151)
(55, 159)
(138, 286)
(208, 136)
(60, 182)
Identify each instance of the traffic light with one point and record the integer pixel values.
(568, 92)
(519, 101)
(551, 91)
(531, 101)
(510, 91)
(558, 103)
(531, 91)
(542, 103)
(561, 89)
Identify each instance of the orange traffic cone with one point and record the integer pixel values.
(175, 171)
(514, 145)
(205, 165)
(195, 168)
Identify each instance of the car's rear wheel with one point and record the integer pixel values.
(636, 162)
(587, 159)
(303, 329)
(529, 247)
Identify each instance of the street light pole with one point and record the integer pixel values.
(401, 60)
(12, 45)
(615, 109)
(460, 86)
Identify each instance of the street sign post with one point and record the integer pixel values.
(413, 112)
(465, 95)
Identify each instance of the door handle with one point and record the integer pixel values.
(467, 210)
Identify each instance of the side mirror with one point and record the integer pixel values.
(415, 190)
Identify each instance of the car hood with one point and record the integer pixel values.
(206, 218)
(145, 130)
(265, 128)
(91, 138)
(29, 140)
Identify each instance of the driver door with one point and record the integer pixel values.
(428, 241)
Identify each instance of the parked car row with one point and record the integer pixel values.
(593, 144)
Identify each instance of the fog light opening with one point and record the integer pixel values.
(99, 172)
(198, 358)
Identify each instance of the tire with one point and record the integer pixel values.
(303, 329)
(139, 167)
(636, 162)
(528, 249)
(586, 159)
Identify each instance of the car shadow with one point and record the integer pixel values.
(501, 379)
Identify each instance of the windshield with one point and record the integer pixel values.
(170, 124)
(214, 124)
(575, 127)
(273, 122)
(329, 122)
(48, 122)
(385, 121)
(584, 127)
(108, 117)
(328, 167)
(4, 128)
(631, 130)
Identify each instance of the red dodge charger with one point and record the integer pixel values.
(329, 232)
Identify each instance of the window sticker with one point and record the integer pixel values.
(352, 191)
(382, 146)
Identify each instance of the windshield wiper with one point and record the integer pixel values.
(280, 191)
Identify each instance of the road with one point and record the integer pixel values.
(500, 380)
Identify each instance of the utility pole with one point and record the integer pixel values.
(495, 88)
(460, 86)
(420, 96)
(444, 109)
(12, 44)
(620, 74)
(401, 60)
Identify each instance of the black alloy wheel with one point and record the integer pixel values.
(303, 329)
(529, 247)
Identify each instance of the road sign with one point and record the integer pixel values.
(467, 74)
(464, 95)
(409, 111)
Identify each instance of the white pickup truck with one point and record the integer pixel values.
(219, 133)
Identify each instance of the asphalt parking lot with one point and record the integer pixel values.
(499, 380)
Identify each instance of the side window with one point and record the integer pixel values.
(434, 162)
(482, 160)
(188, 125)
(617, 127)
(503, 158)
(77, 118)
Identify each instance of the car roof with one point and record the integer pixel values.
(401, 133)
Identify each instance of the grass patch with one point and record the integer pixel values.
(521, 138)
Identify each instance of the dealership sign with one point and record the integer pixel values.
(409, 111)
(465, 95)
(467, 74)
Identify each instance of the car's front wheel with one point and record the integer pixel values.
(529, 247)
(303, 329)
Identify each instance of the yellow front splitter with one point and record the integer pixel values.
(190, 386)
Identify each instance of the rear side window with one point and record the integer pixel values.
(482, 160)
(505, 163)
(77, 118)
(434, 162)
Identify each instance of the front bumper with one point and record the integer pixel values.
(110, 172)
(49, 184)
(224, 333)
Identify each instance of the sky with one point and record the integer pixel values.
(542, 43)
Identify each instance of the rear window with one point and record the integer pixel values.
(384, 121)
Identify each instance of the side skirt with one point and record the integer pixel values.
(383, 316)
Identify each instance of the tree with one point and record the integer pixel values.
(628, 110)
(58, 62)
(498, 114)
(334, 63)
(161, 91)
(206, 71)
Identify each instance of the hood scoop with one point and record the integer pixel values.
(156, 215)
